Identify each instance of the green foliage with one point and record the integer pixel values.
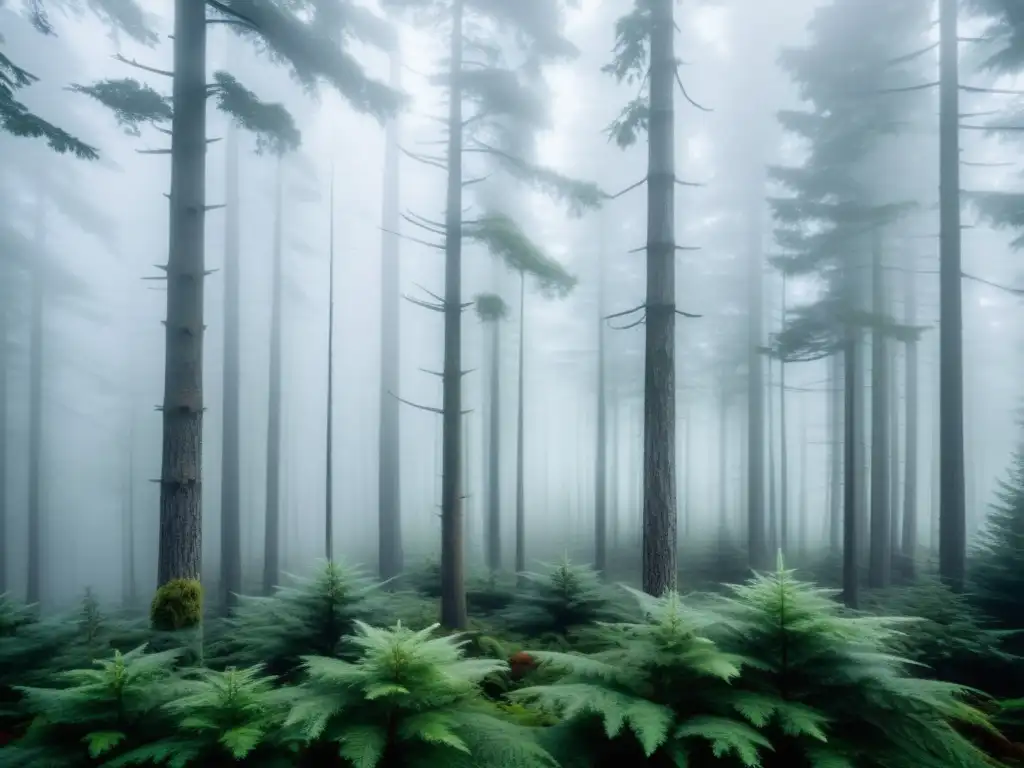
(98, 714)
(579, 196)
(561, 601)
(631, 122)
(309, 617)
(847, 699)
(658, 694)
(125, 16)
(952, 640)
(490, 307)
(134, 104)
(1002, 210)
(409, 699)
(177, 605)
(232, 716)
(505, 240)
(17, 120)
(629, 65)
(1004, 33)
(272, 124)
(997, 567)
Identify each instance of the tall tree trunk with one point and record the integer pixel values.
(851, 463)
(783, 444)
(5, 279)
(601, 452)
(910, 512)
(803, 535)
(272, 520)
(129, 584)
(723, 464)
(453, 565)
(880, 553)
(390, 558)
(494, 454)
(181, 512)
(835, 454)
(614, 476)
(520, 435)
(329, 468)
(659, 515)
(952, 504)
(757, 545)
(688, 473)
(230, 489)
(773, 497)
(35, 417)
(893, 390)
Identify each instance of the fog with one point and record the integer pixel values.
(91, 236)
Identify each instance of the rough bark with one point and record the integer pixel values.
(390, 558)
(952, 504)
(910, 440)
(659, 473)
(880, 552)
(230, 581)
(453, 566)
(272, 519)
(520, 435)
(180, 548)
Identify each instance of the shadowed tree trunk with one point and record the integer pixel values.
(230, 489)
(835, 454)
(851, 479)
(803, 536)
(35, 415)
(894, 451)
(723, 463)
(784, 518)
(773, 498)
(879, 553)
(129, 584)
(756, 507)
(910, 513)
(329, 465)
(494, 452)
(272, 521)
(659, 494)
(601, 454)
(5, 279)
(389, 488)
(520, 435)
(952, 504)
(180, 549)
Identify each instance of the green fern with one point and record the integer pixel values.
(96, 714)
(659, 693)
(834, 692)
(408, 699)
(309, 617)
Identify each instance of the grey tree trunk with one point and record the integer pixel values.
(520, 435)
(329, 466)
(272, 520)
(494, 454)
(892, 372)
(181, 533)
(910, 512)
(880, 552)
(723, 464)
(803, 534)
(773, 496)
(659, 505)
(835, 454)
(231, 479)
(4, 362)
(390, 557)
(35, 418)
(601, 452)
(784, 518)
(453, 565)
(952, 504)
(757, 545)
(851, 479)
(129, 583)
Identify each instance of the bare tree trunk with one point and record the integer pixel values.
(329, 468)
(520, 435)
(952, 504)
(803, 536)
(892, 372)
(494, 455)
(389, 477)
(910, 511)
(835, 454)
(453, 576)
(601, 452)
(851, 481)
(723, 464)
(773, 498)
(783, 443)
(5, 279)
(129, 584)
(757, 545)
(181, 513)
(230, 490)
(879, 554)
(659, 515)
(272, 520)
(35, 418)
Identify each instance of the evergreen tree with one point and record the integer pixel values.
(479, 77)
(305, 36)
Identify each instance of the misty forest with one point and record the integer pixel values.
(511, 383)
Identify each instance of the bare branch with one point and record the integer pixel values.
(143, 67)
(425, 304)
(427, 408)
(436, 162)
(630, 188)
(438, 246)
(686, 96)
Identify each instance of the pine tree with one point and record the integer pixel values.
(479, 77)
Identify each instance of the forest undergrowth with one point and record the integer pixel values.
(559, 668)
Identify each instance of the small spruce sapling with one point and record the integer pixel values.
(409, 699)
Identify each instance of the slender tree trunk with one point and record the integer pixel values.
(757, 545)
(329, 468)
(851, 507)
(879, 554)
(803, 536)
(783, 444)
(894, 451)
(494, 455)
(272, 520)
(601, 452)
(773, 497)
(910, 511)
(35, 418)
(181, 513)
(230, 490)
(390, 557)
(952, 504)
(129, 584)
(614, 475)
(688, 459)
(659, 515)
(835, 454)
(5, 280)
(520, 435)
(453, 577)
(723, 465)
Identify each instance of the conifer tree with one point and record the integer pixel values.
(479, 78)
(310, 47)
